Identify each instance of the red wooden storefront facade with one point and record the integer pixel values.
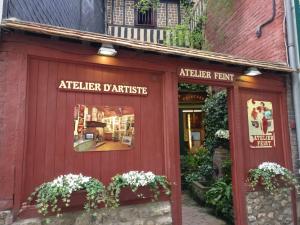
(37, 138)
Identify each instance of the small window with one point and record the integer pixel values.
(145, 18)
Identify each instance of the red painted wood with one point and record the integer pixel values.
(44, 150)
(50, 150)
(254, 156)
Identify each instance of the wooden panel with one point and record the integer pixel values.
(50, 152)
(254, 156)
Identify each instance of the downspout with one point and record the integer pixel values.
(259, 28)
(292, 47)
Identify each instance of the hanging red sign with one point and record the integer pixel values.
(261, 124)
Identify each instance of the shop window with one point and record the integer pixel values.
(145, 18)
(103, 128)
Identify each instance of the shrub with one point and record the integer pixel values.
(216, 118)
(219, 197)
(197, 167)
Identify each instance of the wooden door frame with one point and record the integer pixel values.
(235, 143)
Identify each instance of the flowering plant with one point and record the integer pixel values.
(221, 133)
(48, 194)
(134, 180)
(271, 174)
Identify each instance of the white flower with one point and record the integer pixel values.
(273, 167)
(221, 133)
(138, 179)
(72, 182)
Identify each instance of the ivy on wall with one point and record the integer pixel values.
(216, 117)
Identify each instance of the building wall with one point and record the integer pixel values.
(292, 128)
(156, 147)
(167, 14)
(232, 29)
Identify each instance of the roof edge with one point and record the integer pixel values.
(132, 44)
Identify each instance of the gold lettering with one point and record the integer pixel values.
(133, 90)
(107, 87)
(92, 86)
(121, 89)
(182, 73)
(114, 89)
(97, 87)
(144, 91)
(69, 84)
(62, 85)
(75, 85)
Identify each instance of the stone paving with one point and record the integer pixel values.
(194, 214)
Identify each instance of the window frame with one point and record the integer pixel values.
(153, 21)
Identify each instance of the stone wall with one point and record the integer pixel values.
(166, 13)
(108, 11)
(5, 217)
(264, 208)
(118, 12)
(172, 14)
(129, 13)
(161, 15)
(156, 213)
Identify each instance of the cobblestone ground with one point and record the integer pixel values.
(194, 214)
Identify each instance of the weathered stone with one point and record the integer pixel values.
(33, 221)
(260, 215)
(157, 213)
(5, 217)
(251, 218)
(164, 221)
(267, 209)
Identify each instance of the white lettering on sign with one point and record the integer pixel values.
(69, 85)
(206, 75)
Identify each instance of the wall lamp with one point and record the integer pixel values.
(252, 71)
(107, 50)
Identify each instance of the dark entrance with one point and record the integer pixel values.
(205, 156)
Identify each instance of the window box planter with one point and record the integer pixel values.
(271, 177)
(198, 190)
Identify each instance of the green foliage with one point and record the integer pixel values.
(226, 168)
(144, 5)
(192, 87)
(51, 196)
(197, 167)
(48, 195)
(134, 180)
(219, 197)
(182, 35)
(216, 117)
(272, 177)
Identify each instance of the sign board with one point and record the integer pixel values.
(205, 75)
(69, 85)
(261, 124)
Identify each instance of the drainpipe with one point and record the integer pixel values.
(292, 47)
(1, 10)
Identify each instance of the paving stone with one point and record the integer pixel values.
(194, 214)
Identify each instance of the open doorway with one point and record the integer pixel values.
(205, 155)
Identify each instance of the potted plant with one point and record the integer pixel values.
(135, 180)
(54, 195)
(271, 177)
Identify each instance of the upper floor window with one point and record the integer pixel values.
(145, 18)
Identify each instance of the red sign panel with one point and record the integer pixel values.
(261, 124)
